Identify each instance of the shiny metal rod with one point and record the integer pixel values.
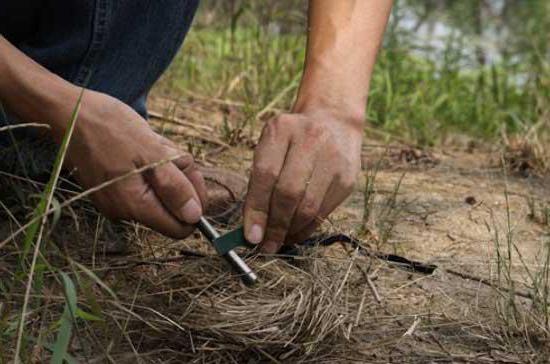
(207, 229)
(238, 264)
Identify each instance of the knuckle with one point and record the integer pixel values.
(276, 125)
(270, 128)
(255, 207)
(264, 173)
(189, 161)
(346, 181)
(186, 162)
(288, 192)
(285, 118)
(314, 130)
(309, 209)
(141, 203)
(276, 232)
(164, 181)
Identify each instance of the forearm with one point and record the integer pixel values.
(343, 41)
(33, 93)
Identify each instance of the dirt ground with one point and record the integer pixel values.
(451, 201)
(454, 207)
(458, 208)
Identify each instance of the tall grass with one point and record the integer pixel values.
(254, 70)
(34, 235)
(413, 95)
(528, 320)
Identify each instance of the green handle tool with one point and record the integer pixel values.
(225, 246)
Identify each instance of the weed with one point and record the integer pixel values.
(380, 217)
(528, 320)
(539, 210)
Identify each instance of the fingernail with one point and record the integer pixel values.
(191, 212)
(256, 234)
(270, 247)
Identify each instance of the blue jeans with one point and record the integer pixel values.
(119, 47)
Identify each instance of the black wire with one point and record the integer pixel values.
(328, 240)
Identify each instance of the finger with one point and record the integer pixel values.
(268, 161)
(152, 213)
(304, 233)
(339, 189)
(186, 164)
(288, 193)
(196, 178)
(175, 192)
(193, 174)
(310, 206)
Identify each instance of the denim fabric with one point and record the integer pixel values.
(119, 47)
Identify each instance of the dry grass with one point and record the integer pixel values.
(527, 153)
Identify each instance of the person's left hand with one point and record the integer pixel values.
(305, 165)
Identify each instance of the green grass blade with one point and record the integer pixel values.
(87, 316)
(36, 229)
(96, 279)
(47, 194)
(65, 330)
(69, 359)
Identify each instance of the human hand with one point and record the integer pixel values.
(111, 140)
(305, 165)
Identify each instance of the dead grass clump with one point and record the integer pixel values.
(303, 310)
(525, 158)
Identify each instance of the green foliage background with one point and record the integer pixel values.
(475, 67)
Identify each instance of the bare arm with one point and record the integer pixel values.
(30, 91)
(344, 37)
(306, 162)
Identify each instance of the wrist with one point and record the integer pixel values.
(47, 99)
(352, 113)
(32, 93)
(332, 93)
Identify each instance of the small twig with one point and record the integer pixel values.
(171, 130)
(487, 283)
(25, 125)
(219, 101)
(34, 183)
(373, 289)
(410, 330)
(159, 261)
(268, 356)
(360, 309)
(179, 121)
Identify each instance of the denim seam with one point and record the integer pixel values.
(97, 44)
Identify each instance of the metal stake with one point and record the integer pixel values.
(238, 264)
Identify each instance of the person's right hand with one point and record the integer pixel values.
(110, 139)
